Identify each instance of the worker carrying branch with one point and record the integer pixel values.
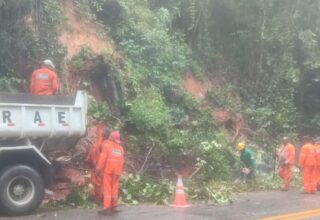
(111, 164)
(285, 158)
(44, 81)
(249, 162)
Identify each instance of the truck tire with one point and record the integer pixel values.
(21, 190)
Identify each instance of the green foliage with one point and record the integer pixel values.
(178, 115)
(28, 35)
(54, 14)
(224, 98)
(270, 182)
(155, 53)
(264, 48)
(136, 188)
(89, 8)
(80, 61)
(309, 102)
(149, 112)
(213, 192)
(99, 111)
(10, 83)
(16, 40)
(214, 160)
(78, 198)
(48, 18)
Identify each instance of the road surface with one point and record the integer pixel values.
(290, 205)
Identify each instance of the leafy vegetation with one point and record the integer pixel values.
(28, 36)
(15, 39)
(79, 197)
(136, 188)
(157, 56)
(213, 192)
(264, 52)
(11, 83)
(99, 111)
(149, 112)
(215, 160)
(80, 61)
(249, 45)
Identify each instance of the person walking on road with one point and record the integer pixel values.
(111, 164)
(44, 81)
(286, 157)
(308, 165)
(249, 163)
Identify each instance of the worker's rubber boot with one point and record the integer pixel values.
(105, 211)
(284, 189)
(115, 210)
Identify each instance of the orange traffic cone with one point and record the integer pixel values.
(180, 198)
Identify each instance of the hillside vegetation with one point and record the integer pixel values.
(184, 80)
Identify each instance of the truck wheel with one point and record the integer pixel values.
(21, 190)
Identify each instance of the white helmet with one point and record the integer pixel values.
(48, 63)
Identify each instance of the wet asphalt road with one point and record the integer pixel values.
(248, 206)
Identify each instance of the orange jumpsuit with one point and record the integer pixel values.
(317, 147)
(308, 163)
(111, 162)
(44, 82)
(286, 156)
(92, 159)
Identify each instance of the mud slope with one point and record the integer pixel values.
(81, 32)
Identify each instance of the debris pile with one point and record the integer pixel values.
(70, 167)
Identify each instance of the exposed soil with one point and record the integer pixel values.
(198, 89)
(231, 120)
(77, 32)
(81, 32)
(222, 116)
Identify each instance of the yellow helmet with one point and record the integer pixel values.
(240, 146)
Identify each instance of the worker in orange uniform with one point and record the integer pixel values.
(44, 81)
(286, 156)
(308, 164)
(111, 163)
(317, 147)
(92, 160)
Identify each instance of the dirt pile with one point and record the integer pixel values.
(65, 179)
(70, 167)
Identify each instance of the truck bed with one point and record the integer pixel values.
(33, 116)
(25, 98)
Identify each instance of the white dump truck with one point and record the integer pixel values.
(27, 124)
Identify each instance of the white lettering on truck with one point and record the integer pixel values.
(6, 119)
